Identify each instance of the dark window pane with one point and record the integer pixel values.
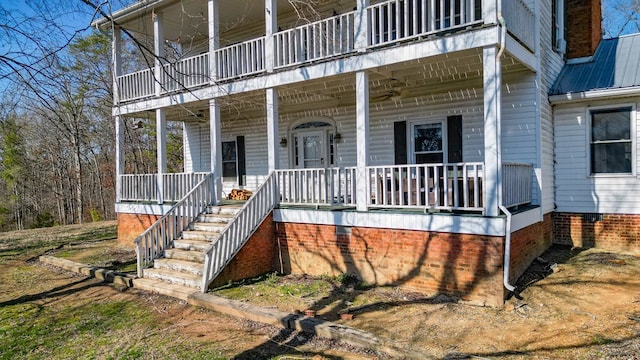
(610, 125)
(435, 158)
(229, 170)
(612, 158)
(428, 137)
(229, 151)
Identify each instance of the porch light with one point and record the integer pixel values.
(337, 137)
(283, 142)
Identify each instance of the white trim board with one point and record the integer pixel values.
(142, 209)
(446, 223)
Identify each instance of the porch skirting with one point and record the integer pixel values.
(131, 225)
(605, 231)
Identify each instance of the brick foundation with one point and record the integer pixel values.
(257, 256)
(529, 243)
(613, 232)
(466, 266)
(130, 226)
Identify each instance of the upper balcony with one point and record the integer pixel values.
(198, 53)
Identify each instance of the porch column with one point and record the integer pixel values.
(216, 148)
(214, 39)
(116, 51)
(272, 129)
(119, 155)
(361, 25)
(362, 139)
(161, 134)
(492, 77)
(271, 26)
(158, 50)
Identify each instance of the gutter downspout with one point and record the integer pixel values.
(507, 238)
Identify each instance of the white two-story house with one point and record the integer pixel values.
(407, 142)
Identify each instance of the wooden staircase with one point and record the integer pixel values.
(179, 272)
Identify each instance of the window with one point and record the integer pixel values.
(229, 160)
(558, 41)
(610, 141)
(428, 143)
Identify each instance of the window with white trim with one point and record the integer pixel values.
(610, 141)
(229, 160)
(428, 142)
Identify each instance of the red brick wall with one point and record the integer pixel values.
(584, 29)
(130, 226)
(467, 266)
(529, 243)
(257, 256)
(614, 232)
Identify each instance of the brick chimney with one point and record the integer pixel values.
(583, 27)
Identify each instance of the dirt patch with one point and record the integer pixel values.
(571, 304)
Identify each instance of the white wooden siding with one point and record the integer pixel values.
(197, 150)
(576, 190)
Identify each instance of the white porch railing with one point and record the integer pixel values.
(139, 187)
(396, 20)
(153, 241)
(330, 186)
(240, 59)
(239, 230)
(318, 40)
(516, 184)
(436, 186)
(136, 85)
(144, 187)
(520, 21)
(186, 73)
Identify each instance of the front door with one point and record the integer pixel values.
(309, 149)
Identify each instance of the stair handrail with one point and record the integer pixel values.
(156, 238)
(238, 231)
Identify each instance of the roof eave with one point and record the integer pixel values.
(126, 13)
(594, 95)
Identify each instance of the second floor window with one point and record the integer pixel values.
(558, 41)
(611, 142)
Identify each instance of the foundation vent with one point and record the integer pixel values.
(592, 217)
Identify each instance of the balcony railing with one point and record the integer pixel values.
(186, 73)
(318, 40)
(388, 22)
(397, 20)
(241, 59)
(516, 184)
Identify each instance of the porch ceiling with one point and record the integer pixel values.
(186, 20)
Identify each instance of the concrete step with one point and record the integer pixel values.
(173, 277)
(216, 227)
(164, 288)
(187, 255)
(215, 218)
(199, 235)
(224, 209)
(179, 266)
(194, 243)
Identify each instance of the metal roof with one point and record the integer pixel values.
(615, 65)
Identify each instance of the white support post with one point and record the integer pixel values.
(362, 139)
(272, 128)
(116, 51)
(158, 50)
(361, 26)
(492, 77)
(215, 134)
(161, 134)
(214, 39)
(271, 26)
(490, 11)
(119, 155)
